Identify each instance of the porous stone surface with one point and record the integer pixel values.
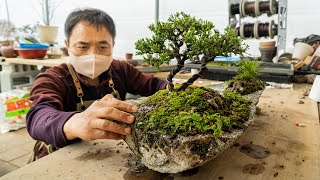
(180, 153)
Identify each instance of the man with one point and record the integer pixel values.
(55, 116)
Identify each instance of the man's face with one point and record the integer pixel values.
(86, 39)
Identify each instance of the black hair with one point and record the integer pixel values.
(92, 16)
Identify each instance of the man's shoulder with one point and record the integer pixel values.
(58, 72)
(119, 64)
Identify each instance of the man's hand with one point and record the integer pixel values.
(96, 121)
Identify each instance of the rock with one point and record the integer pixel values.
(299, 79)
(310, 78)
(258, 111)
(306, 92)
(304, 78)
(180, 152)
(301, 102)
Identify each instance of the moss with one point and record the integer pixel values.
(193, 111)
(246, 82)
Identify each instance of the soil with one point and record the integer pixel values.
(245, 87)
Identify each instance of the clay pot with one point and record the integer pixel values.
(129, 56)
(8, 52)
(301, 51)
(267, 44)
(267, 53)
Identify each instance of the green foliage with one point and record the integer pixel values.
(248, 70)
(191, 112)
(246, 82)
(183, 37)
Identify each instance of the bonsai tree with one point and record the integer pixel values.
(184, 38)
(184, 126)
(246, 81)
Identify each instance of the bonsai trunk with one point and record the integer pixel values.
(195, 76)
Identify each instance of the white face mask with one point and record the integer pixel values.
(90, 65)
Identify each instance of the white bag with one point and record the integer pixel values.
(14, 105)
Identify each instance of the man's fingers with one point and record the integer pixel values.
(110, 101)
(107, 97)
(101, 134)
(114, 114)
(110, 126)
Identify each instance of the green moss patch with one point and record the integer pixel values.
(197, 110)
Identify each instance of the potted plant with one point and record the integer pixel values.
(246, 82)
(48, 33)
(7, 36)
(185, 126)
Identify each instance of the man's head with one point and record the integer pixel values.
(90, 31)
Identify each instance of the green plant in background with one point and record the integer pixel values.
(28, 29)
(183, 38)
(246, 81)
(248, 70)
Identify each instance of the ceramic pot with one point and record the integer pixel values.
(267, 44)
(301, 51)
(8, 52)
(267, 53)
(129, 56)
(47, 34)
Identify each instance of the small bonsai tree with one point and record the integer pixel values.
(246, 81)
(184, 38)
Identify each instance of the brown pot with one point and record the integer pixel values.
(129, 56)
(267, 44)
(8, 52)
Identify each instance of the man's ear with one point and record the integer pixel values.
(66, 42)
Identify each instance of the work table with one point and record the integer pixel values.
(272, 147)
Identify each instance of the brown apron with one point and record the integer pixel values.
(42, 149)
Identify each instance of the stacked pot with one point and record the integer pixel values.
(268, 50)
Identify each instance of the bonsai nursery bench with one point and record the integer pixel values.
(10, 71)
(19, 67)
(281, 73)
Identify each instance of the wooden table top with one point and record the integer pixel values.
(293, 151)
(41, 62)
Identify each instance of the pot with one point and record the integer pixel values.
(47, 34)
(301, 51)
(8, 52)
(129, 56)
